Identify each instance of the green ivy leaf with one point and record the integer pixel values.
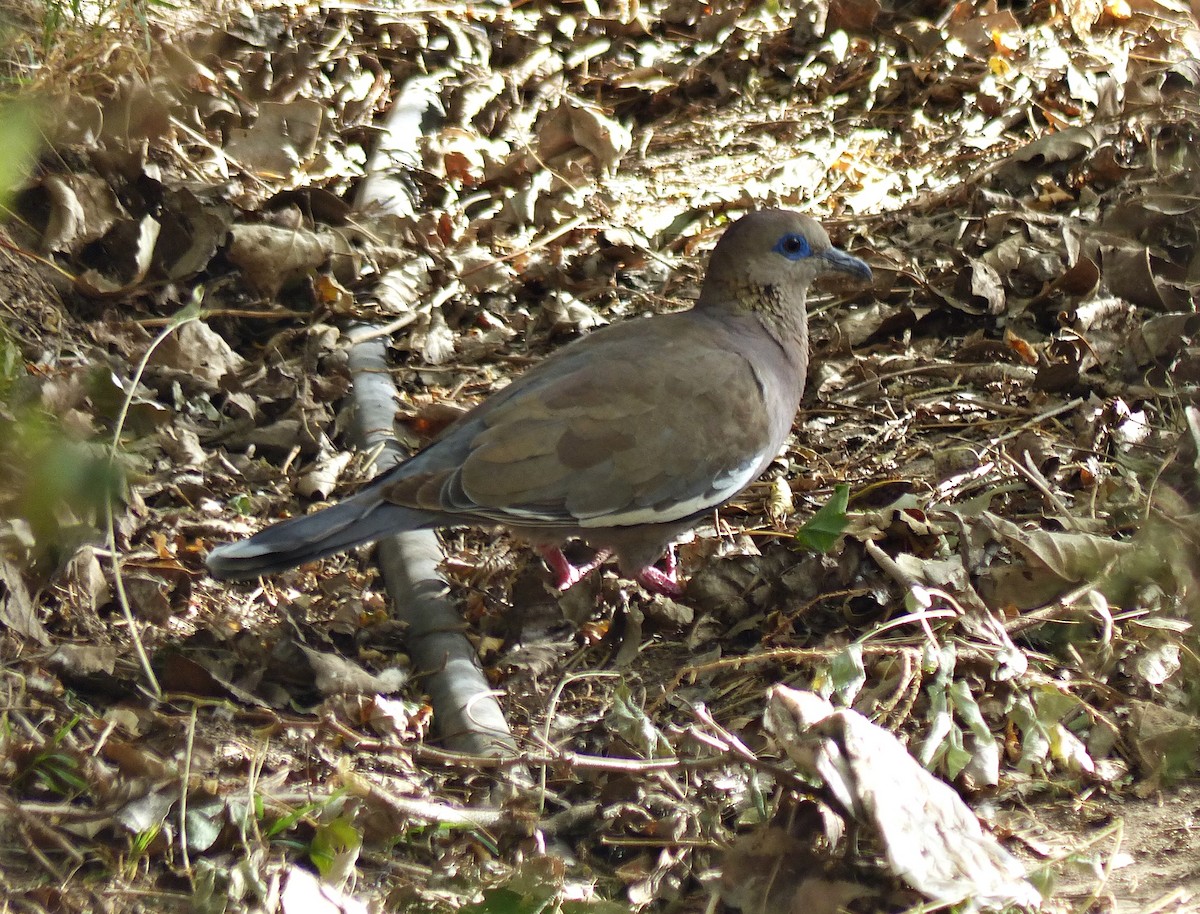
(824, 528)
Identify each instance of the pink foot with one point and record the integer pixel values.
(565, 574)
(663, 580)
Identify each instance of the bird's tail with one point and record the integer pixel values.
(357, 520)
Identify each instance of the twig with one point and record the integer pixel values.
(1038, 419)
(551, 710)
(1035, 478)
(466, 712)
(441, 813)
(185, 777)
(366, 333)
(40, 824)
(188, 313)
(568, 226)
(465, 709)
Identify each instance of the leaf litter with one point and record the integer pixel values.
(1007, 585)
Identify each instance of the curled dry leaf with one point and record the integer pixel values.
(982, 284)
(16, 608)
(335, 675)
(149, 597)
(1062, 146)
(930, 837)
(196, 350)
(273, 257)
(82, 208)
(390, 717)
(127, 253)
(435, 341)
(1167, 741)
(283, 136)
(1166, 334)
(1072, 557)
(1134, 273)
(563, 311)
(403, 286)
(80, 660)
(323, 476)
(576, 123)
(481, 271)
(86, 579)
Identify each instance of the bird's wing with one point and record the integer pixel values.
(629, 428)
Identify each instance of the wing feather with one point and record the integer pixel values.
(624, 431)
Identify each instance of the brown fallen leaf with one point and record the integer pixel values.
(930, 838)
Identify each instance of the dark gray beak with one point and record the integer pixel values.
(847, 263)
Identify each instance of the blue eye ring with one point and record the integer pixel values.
(793, 246)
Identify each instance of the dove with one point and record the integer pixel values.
(625, 438)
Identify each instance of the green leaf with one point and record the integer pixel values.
(19, 138)
(848, 675)
(824, 528)
(243, 505)
(334, 844)
(505, 901)
(629, 719)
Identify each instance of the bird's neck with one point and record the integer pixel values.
(781, 312)
(780, 309)
(785, 316)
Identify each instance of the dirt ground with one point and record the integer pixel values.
(1152, 851)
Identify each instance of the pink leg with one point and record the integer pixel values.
(565, 574)
(663, 580)
(671, 563)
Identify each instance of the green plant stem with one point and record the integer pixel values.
(190, 312)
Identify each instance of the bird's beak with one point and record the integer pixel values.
(847, 263)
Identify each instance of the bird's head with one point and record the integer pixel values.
(768, 259)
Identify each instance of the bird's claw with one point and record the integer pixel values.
(565, 574)
(655, 580)
(663, 580)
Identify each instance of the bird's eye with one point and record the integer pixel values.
(793, 246)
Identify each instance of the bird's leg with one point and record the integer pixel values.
(671, 563)
(663, 580)
(565, 574)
